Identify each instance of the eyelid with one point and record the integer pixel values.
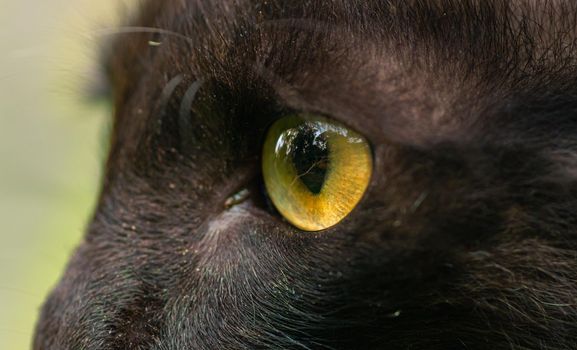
(297, 104)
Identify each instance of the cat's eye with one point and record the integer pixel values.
(315, 170)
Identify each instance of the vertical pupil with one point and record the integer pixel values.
(310, 157)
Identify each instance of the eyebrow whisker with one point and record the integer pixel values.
(138, 30)
(184, 121)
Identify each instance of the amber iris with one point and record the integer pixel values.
(315, 170)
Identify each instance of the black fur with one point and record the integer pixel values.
(465, 239)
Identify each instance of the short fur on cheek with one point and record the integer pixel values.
(465, 237)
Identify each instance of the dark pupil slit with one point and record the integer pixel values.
(310, 157)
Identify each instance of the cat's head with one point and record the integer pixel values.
(464, 231)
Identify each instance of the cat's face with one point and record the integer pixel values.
(465, 236)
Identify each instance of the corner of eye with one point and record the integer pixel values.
(237, 198)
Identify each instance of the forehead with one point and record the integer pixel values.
(380, 65)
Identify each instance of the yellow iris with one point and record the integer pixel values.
(315, 170)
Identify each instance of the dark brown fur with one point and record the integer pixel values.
(465, 239)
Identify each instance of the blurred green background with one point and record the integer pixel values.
(51, 148)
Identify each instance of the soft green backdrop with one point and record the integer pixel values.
(50, 148)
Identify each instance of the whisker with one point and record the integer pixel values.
(139, 30)
(184, 121)
(21, 291)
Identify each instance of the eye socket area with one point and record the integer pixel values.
(315, 170)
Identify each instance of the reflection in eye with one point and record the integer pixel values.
(315, 170)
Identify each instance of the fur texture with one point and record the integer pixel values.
(465, 239)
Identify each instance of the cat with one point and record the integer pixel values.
(466, 236)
